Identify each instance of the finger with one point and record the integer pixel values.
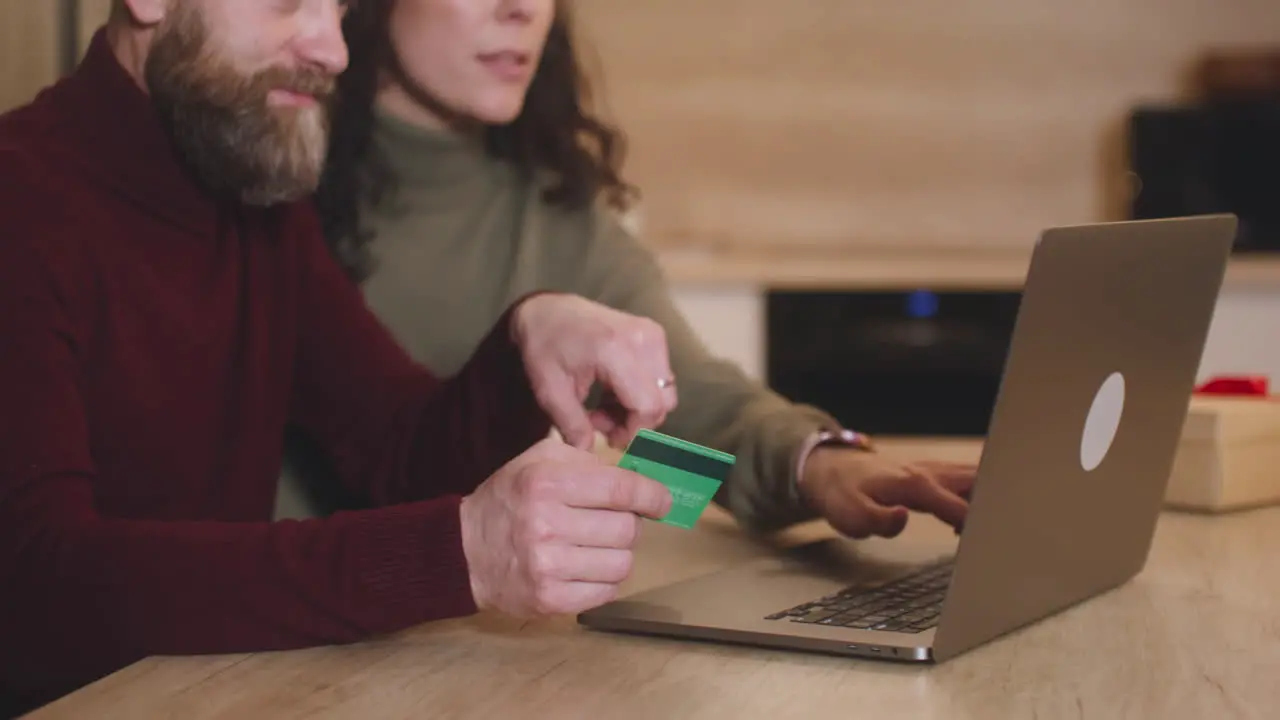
(641, 408)
(613, 420)
(557, 451)
(882, 520)
(603, 422)
(609, 416)
(672, 397)
(861, 516)
(612, 416)
(920, 491)
(574, 597)
(555, 394)
(588, 527)
(668, 398)
(635, 386)
(620, 437)
(611, 488)
(548, 448)
(957, 477)
(657, 358)
(586, 564)
(651, 339)
(614, 431)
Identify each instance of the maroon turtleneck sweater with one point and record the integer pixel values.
(154, 344)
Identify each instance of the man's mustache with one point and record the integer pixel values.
(316, 83)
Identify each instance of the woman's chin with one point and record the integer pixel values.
(497, 113)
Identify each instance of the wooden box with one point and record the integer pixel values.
(1229, 455)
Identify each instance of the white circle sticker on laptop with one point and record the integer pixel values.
(1102, 422)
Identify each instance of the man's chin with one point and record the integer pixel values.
(279, 192)
(289, 168)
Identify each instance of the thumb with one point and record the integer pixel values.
(559, 400)
(887, 521)
(865, 516)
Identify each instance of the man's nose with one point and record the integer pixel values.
(320, 40)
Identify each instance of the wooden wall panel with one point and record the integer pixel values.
(93, 13)
(28, 49)
(829, 123)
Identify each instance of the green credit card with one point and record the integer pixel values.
(691, 472)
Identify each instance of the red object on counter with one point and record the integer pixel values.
(1258, 385)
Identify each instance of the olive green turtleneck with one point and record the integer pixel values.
(464, 235)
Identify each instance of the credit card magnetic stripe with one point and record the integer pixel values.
(687, 460)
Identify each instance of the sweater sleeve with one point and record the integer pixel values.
(393, 431)
(84, 593)
(720, 406)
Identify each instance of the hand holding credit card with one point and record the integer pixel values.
(691, 472)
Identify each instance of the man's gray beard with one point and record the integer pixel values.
(222, 127)
(262, 157)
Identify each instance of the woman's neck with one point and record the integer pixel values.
(421, 110)
(423, 150)
(397, 103)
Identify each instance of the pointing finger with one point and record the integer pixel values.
(557, 398)
(638, 394)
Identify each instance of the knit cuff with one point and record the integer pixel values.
(502, 364)
(409, 564)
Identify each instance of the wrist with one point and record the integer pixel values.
(517, 325)
(471, 545)
(820, 446)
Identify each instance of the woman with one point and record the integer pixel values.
(465, 170)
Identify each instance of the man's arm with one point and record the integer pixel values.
(84, 594)
(393, 431)
(720, 406)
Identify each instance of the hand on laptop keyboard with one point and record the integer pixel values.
(865, 493)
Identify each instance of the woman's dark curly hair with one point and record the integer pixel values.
(554, 132)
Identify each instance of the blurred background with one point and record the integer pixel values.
(845, 192)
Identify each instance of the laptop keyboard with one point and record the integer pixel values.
(909, 604)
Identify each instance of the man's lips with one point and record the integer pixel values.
(292, 98)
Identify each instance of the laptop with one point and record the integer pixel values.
(1106, 347)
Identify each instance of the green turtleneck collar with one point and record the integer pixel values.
(433, 161)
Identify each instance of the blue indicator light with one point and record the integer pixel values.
(922, 304)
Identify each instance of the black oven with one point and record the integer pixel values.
(891, 362)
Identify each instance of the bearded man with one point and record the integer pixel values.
(168, 308)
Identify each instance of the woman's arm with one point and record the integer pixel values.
(719, 406)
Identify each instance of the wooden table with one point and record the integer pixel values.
(1195, 635)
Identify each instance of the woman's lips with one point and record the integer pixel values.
(507, 65)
